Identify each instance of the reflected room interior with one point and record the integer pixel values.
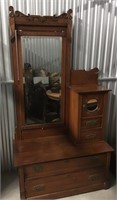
(41, 57)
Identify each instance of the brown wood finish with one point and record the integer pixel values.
(65, 181)
(70, 192)
(54, 148)
(82, 77)
(22, 183)
(66, 166)
(70, 157)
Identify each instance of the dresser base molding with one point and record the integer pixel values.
(70, 192)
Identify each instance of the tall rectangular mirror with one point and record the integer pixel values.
(41, 56)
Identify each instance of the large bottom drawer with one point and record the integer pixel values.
(64, 166)
(37, 187)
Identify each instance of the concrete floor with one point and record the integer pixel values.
(10, 190)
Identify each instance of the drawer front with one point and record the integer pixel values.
(91, 135)
(91, 123)
(61, 167)
(92, 104)
(64, 182)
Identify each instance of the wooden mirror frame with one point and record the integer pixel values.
(35, 25)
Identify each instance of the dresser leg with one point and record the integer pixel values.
(22, 196)
(21, 182)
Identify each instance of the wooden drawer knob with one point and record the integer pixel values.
(90, 136)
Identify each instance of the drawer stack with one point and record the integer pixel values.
(63, 170)
(63, 176)
(92, 121)
(87, 114)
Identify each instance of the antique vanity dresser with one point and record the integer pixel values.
(59, 146)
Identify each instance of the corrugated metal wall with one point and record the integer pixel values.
(7, 126)
(94, 45)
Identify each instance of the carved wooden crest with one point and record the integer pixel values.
(21, 18)
(18, 20)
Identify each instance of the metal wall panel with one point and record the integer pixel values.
(42, 52)
(94, 44)
(7, 126)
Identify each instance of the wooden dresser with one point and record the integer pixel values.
(59, 147)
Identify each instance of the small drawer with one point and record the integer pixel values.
(91, 135)
(60, 167)
(91, 123)
(63, 182)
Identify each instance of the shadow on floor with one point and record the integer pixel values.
(7, 179)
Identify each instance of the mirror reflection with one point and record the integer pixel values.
(42, 78)
(92, 105)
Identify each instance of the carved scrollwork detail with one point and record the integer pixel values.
(19, 14)
(37, 18)
(22, 18)
(66, 15)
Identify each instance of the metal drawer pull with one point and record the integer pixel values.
(91, 123)
(91, 136)
(39, 188)
(37, 168)
(93, 177)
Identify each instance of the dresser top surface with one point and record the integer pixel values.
(54, 148)
(88, 88)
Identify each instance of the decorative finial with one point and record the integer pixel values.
(11, 9)
(69, 12)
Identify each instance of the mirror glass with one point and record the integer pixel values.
(42, 78)
(92, 105)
